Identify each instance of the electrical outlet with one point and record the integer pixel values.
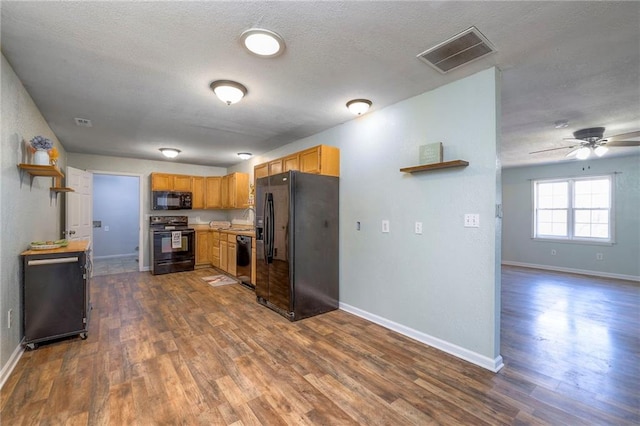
(418, 228)
(357, 226)
(553, 252)
(599, 256)
(471, 220)
(9, 318)
(385, 226)
(106, 228)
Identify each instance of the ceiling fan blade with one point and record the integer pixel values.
(630, 135)
(572, 153)
(552, 149)
(623, 143)
(581, 141)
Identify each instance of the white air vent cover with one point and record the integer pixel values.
(460, 49)
(82, 122)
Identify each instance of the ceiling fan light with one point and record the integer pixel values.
(228, 91)
(600, 150)
(359, 106)
(583, 153)
(170, 152)
(244, 155)
(263, 43)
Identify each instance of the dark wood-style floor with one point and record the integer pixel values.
(170, 349)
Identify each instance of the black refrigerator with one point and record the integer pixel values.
(297, 243)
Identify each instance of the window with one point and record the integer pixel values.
(573, 209)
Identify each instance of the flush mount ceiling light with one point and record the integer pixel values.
(263, 43)
(228, 91)
(244, 155)
(359, 106)
(170, 152)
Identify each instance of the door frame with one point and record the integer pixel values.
(141, 252)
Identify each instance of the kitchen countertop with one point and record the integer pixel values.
(237, 230)
(73, 247)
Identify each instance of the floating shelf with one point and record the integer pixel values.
(58, 189)
(36, 170)
(435, 166)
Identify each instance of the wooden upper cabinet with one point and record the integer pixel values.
(235, 191)
(291, 162)
(181, 183)
(321, 159)
(261, 170)
(197, 189)
(170, 182)
(275, 167)
(212, 197)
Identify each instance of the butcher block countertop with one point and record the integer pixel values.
(73, 247)
(236, 231)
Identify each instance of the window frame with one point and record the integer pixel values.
(571, 211)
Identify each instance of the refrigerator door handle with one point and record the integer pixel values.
(271, 228)
(265, 236)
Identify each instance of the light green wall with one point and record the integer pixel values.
(621, 260)
(26, 214)
(442, 285)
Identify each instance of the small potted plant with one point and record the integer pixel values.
(41, 145)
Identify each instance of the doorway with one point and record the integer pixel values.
(116, 223)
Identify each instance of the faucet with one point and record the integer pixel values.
(246, 214)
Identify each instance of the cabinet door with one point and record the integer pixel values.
(224, 255)
(202, 248)
(197, 187)
(261, 170)
(310, 160)
(241, 190)
(231, 188)
(212, 198)
(181, 183)
(161, 182)
(224, 192)
(275, 167)
(215, 249)
(291, 163)
(231, 258)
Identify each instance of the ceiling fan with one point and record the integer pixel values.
(591, 140)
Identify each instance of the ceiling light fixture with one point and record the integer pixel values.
(263, 43)
(583, 153)
(600, 150)
(245, 155)
(170, 152)
(359, 106)
(228, 91)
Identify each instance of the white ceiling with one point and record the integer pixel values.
(140, 71)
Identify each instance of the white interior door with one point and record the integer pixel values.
(79, 205)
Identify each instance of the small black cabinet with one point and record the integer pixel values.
(55, 295)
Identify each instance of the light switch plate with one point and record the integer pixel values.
(418, 228)
(385, 226)
(471, 220)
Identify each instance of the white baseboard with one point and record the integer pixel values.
(493, 365)
(115, 256)
(7, 369)
(573, 271)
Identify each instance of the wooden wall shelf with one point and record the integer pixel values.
(60, 189)
(435, 166)
(36, 170)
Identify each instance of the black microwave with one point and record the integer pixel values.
(170, 200)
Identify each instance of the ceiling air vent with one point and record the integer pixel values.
(460, 49)
(82, 122)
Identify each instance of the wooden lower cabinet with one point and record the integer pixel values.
(215, 248)
(224, 255)
(231, 254)
(203, 252)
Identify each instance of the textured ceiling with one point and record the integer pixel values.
(140, 71)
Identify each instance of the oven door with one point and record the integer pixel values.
(165, 248)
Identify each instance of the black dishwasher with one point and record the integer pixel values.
(243, 259)
(55, 296)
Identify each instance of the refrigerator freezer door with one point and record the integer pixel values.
(279, 254)
(262, 268)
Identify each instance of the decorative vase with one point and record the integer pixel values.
(41, 157)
